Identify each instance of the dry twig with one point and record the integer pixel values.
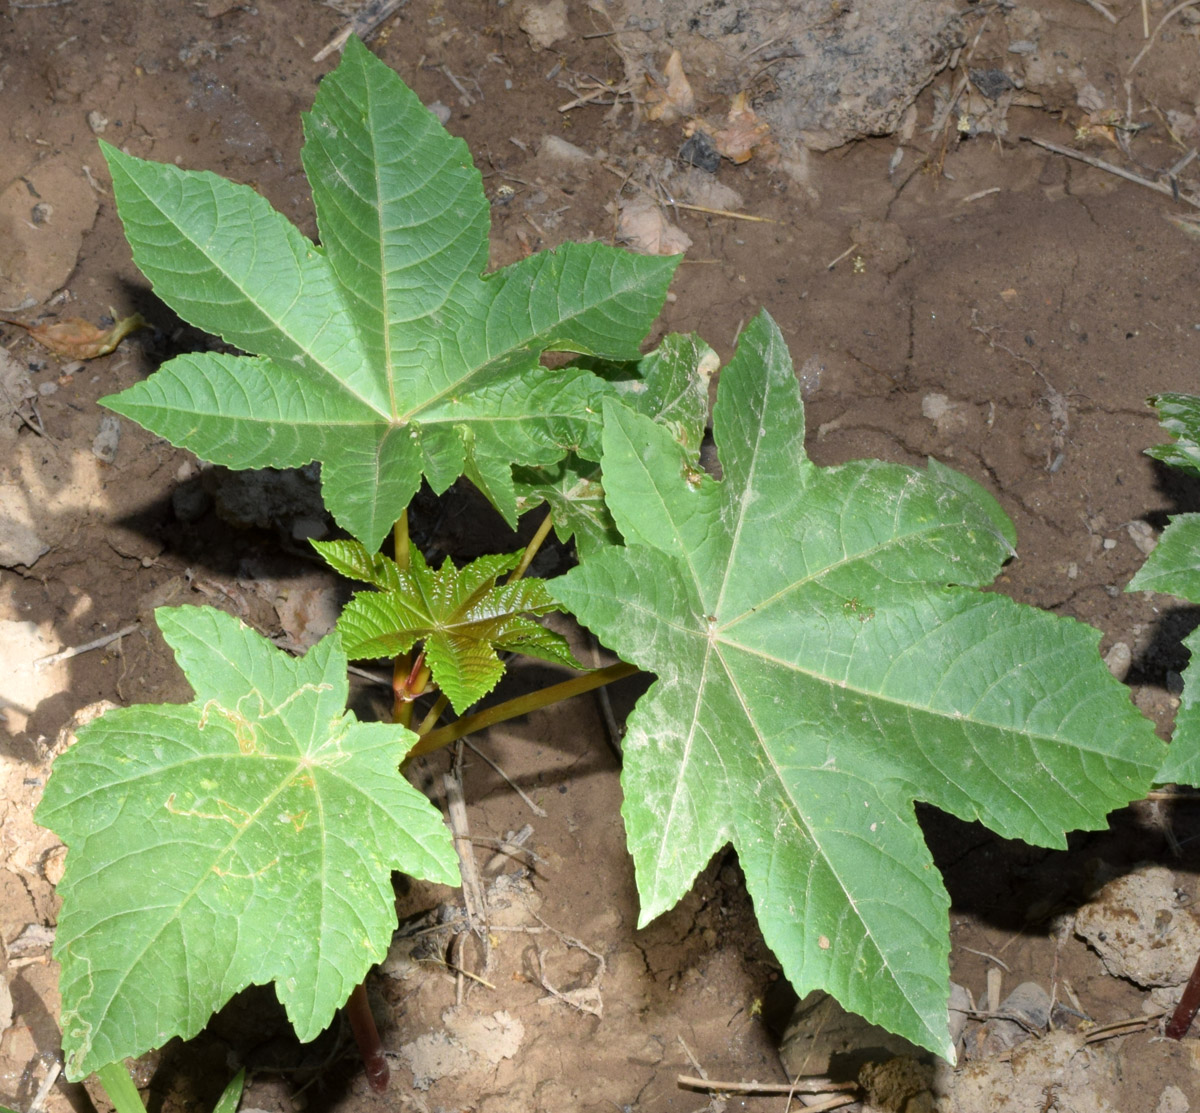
(74, 651)
(1154, 34)
(541, 813)
(800, 1086)
(39, 1099)
(586, 998)
(509, 847)
(723, 212)
(596, 90)
(834, 262)
(1097, 6)
(364, 23)
(474, 896)
(1109, 1031)
(1100, 164)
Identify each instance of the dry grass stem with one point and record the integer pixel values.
(541, 813)
(74, 651)
(800, 1086)
(1154, 34)
(364, 23)
(1097, 6)
(722, 212)
(1128, 175)
(834, 262)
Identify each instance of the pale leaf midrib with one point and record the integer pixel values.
(484, 296)
(812, 832)
(252, 300)
(870, 696)
(848, 558)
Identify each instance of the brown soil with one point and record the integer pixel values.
(994, 305)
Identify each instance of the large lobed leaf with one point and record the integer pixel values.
(384, 353)
(244, 838)
(823, 660)
(1174, 569)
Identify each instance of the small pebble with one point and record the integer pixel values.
(1110, 542)
(104, 447)
(557, 149)
(1142, 535)
(1118, 659)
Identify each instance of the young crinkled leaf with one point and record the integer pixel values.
(823, 660)
(461, 615)
(246, 837)
(384, 353)
(1173, 568)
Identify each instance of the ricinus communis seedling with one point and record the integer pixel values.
(823, 656)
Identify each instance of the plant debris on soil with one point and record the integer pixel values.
(981, 249)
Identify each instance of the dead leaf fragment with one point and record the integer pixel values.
(1188, 224)
(676, 99)
(643, 228)
(76, 338)
(743, 133)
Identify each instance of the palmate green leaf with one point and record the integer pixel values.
(1179, 414)
(384, 353)
(823, 660)
(246, 837)
(461, 615)
(1173, 568)
(670, 385)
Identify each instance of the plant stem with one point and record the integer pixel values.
(400, 541)
(521, 705)
(1185, 1011)
(435, 713)
(403, 667)
(366, 1035)
(402, 709)
(119, 1087)
(413, 684)
(535, 543)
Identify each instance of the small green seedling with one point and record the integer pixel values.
(823, 654)
(1173, 568)
(118, 1085)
